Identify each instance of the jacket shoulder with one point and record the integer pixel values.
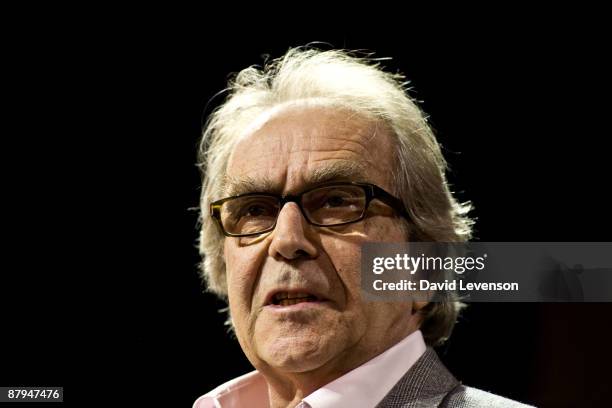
(428, 384)
(468, 397)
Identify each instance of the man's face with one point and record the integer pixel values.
(283, 154)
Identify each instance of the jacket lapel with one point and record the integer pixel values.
(425, 385)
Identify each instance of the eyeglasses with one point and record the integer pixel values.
(327, 205)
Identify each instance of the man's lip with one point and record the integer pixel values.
(270, 296)
(295, 307)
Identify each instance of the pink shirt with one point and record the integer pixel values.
(365, 386)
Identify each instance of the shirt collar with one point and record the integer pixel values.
(367, 385)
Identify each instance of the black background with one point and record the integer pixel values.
(100, 292)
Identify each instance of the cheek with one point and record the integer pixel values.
(345, 255)
(242, 272)
(344, 251)
(384, 229)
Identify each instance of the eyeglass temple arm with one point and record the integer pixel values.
(391, 201)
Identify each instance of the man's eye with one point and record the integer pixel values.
(255, 211)
(334, 201)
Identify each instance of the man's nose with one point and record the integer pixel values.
(292, 235)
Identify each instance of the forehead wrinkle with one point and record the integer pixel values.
(338, 170)
(350, 161)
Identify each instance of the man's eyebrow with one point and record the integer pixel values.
(242, 185)
(337, 171)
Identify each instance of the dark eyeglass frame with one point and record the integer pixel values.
(371, 191)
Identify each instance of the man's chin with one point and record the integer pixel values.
(297, 354)
(299, 342)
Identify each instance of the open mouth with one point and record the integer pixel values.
(288, 299)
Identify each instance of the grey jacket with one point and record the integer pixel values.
(429, 384)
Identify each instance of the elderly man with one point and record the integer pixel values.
(307, 159)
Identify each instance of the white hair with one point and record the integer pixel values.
(359, 84)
